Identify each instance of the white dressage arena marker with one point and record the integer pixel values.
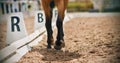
(15, 28)
(39, 20)
(55, 16)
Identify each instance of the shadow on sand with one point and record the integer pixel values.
(55, 55)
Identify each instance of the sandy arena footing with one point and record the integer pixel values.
(87, 39)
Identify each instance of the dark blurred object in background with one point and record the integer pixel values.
(94, 6)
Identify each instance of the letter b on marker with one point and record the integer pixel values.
(40, 17)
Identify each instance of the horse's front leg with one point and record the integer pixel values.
(60, 32)
(48, 25)
(61, 6)
(49, 32)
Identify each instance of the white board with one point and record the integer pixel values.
(19, 53)
(15, 7)
(39, 20)
(15, 28)
(55, 15)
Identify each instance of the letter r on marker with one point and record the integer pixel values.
(15, 23)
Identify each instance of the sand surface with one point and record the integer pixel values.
(87, 39)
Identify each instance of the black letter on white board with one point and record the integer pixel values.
(40, 17)
(14, 23)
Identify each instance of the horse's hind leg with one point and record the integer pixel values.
(60, 34)
(48, 14)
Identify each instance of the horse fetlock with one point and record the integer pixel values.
(49, 47)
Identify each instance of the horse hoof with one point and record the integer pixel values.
(57, 47)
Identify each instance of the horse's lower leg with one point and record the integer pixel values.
(49, 33)
(48, 25)
(60, 35)
(61, 5)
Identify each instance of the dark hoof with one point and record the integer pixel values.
(57, 47)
